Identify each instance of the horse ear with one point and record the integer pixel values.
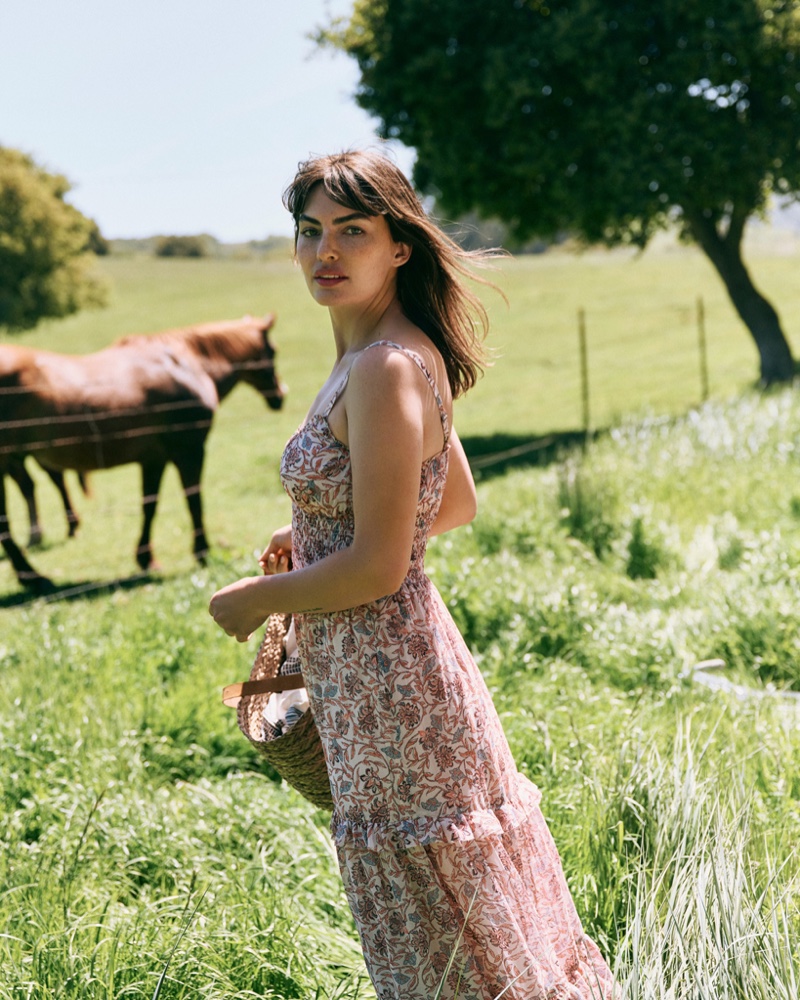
(268, 322)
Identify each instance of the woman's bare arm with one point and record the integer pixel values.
(460, 501)
(386, 403)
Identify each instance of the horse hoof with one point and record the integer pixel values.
(35, 539)
(39, 585)
(144, 560)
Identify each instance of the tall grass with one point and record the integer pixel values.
(130, 799)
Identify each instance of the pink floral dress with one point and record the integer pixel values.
(437, 834)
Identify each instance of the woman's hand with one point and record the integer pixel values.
(277, 556)
(240, 607)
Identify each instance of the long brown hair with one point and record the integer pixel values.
(430, 284)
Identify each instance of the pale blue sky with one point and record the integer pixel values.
(177, 116)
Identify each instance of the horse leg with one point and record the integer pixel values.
(23, 479)
(151, 482)
(73, 522)
(190, 469)
(26, 574)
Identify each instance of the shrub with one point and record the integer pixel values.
(96, 242)
(645, 553)
(181, 246)
(45, 270)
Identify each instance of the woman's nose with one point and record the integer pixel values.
(326, 248)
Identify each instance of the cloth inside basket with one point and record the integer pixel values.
(285, 708)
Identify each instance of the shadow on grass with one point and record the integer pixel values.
(495, 454)
(75, 590)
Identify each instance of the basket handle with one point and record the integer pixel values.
(233, 693)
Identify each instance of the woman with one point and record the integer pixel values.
(441, 842)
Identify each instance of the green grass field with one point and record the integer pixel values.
(145, 853)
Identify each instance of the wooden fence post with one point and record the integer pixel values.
(584, 370)
(701, 342)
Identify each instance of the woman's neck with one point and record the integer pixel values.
(353, 329)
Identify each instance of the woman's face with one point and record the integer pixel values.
(347, 258)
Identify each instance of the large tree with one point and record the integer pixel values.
(608, 118)
(44, 246)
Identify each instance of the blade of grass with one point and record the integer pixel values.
(186, 923)
(437, 995)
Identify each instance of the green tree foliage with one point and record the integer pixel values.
(181, 246)
(97, 243)
(44, 246)
(608, 118)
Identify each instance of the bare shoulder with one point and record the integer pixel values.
(382, 370)
(385, 362)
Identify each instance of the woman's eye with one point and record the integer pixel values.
(353, 230)
(308, 231)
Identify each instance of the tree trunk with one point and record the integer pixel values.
(758, 315)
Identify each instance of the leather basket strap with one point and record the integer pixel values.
(233, 693)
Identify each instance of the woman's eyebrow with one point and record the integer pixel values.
(337, 221)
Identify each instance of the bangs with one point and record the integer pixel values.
(342, 184)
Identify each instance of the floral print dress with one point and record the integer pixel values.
(441, 843)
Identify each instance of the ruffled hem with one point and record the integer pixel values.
(423, 831)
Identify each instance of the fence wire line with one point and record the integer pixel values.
(94, 417)
(129, 509)
(99, 440)
(87, 588)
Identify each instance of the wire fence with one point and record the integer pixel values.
(584, 368)
(560, 379)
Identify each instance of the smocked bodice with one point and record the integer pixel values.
(316, 473)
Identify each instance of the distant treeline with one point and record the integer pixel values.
(201, 245)
(471, 232)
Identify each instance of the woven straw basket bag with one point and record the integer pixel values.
(296, 754)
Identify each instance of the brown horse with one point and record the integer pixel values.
(147, 398)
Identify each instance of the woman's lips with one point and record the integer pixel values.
(328, 280)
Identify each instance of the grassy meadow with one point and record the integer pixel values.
(144, 851)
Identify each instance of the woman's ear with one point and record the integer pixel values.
(401, 254)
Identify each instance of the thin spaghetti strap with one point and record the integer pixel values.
(335, 397)
(425, 371)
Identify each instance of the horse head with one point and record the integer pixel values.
(261, 373)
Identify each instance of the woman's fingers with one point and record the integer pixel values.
(275, 562)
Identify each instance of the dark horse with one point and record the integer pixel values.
(147, 398)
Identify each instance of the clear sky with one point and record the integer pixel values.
(177, 116)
